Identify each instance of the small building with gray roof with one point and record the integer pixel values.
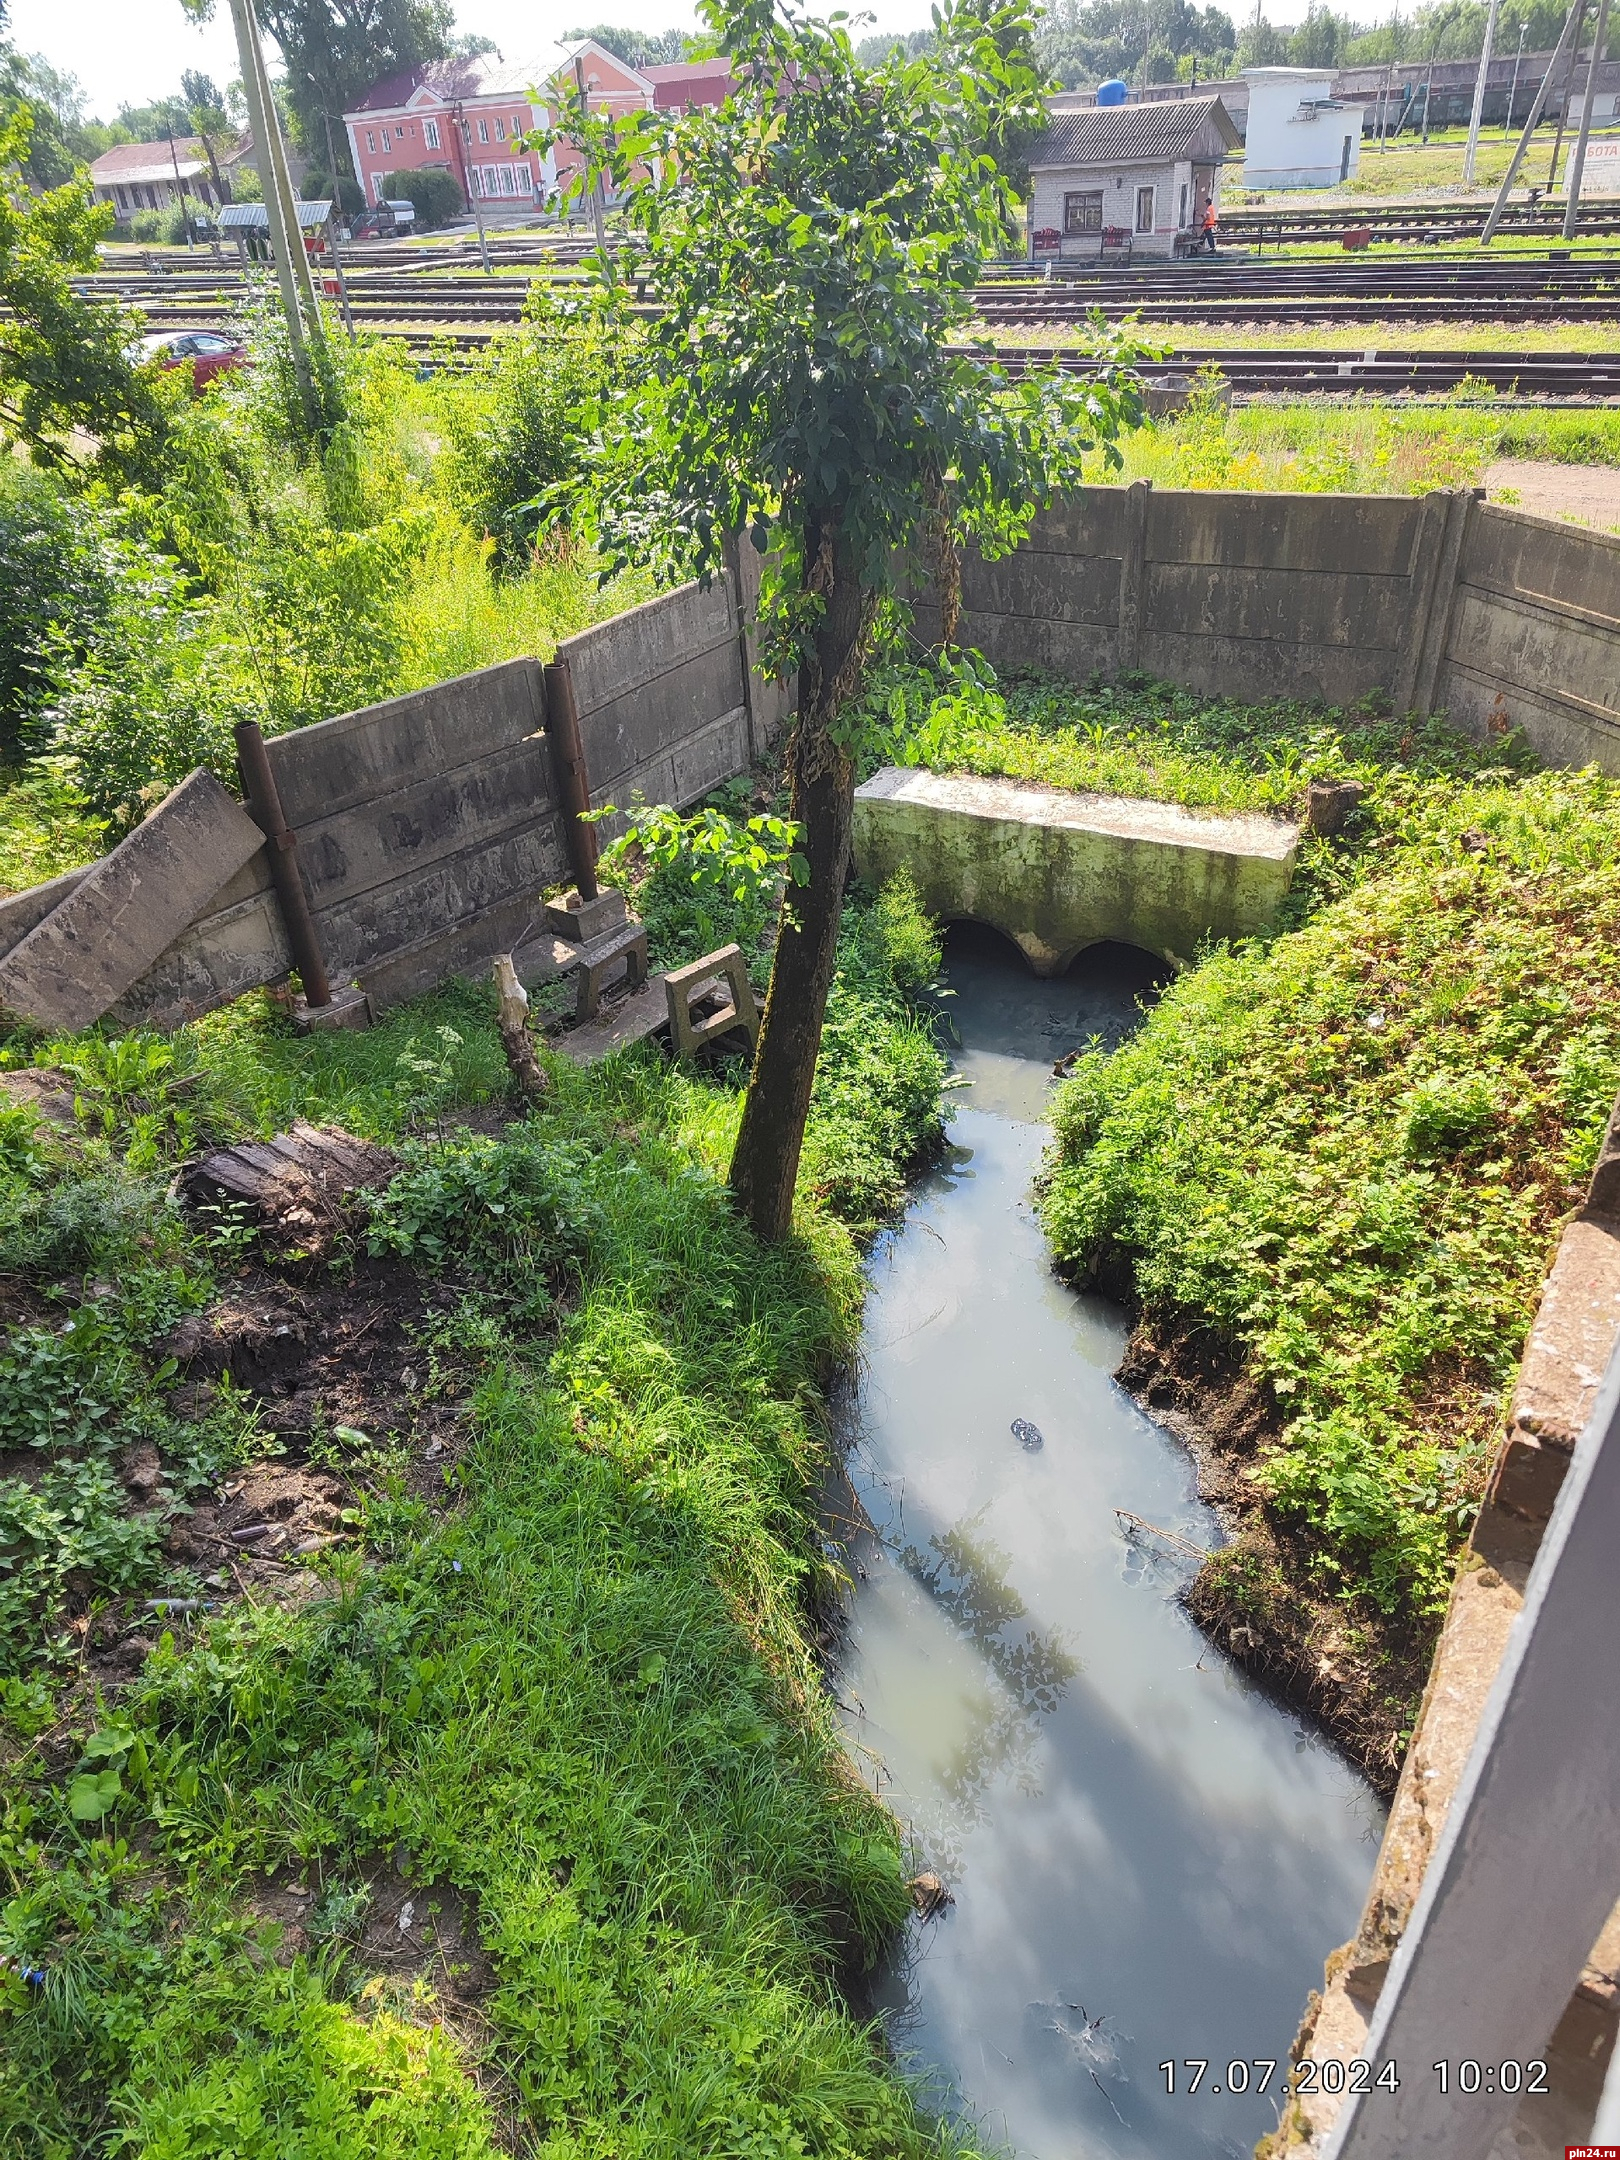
(1146, 171)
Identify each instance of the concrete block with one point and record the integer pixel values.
(349, 1008)
(1058, 872)
(1342, 534)
(585, 920)
(626, 945)
(1571, 1341)
(130, 907)
(684, 984)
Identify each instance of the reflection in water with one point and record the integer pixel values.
(1149, 1859)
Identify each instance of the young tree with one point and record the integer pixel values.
(65, 365)
(816, 242)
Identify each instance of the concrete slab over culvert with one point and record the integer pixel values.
(1057, 872)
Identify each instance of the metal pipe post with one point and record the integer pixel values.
(264, 802)
(573, 781)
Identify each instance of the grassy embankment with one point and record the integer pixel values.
(1368, 448)
(556, 1673)
(1333, 1163)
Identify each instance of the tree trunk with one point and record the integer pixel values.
(766, 1162)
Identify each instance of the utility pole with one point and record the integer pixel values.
(333, 221)
(1513, 88)
(1478, 113)
(1576, 167)
(179, 190)
(1532, 121)
(1563, 102)
(596, 178)
(1428, 85)
(463, 128)
(284, 235)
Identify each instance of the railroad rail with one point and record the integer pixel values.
(1560, 377)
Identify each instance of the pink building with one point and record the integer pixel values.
(467, 115)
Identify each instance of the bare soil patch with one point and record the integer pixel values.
(1580, 494)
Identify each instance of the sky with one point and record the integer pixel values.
(132, 51)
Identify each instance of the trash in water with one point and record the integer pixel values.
(1026, 1434)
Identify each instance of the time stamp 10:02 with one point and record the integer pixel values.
(1191, 2076)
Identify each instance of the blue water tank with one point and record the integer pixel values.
(1113, 93)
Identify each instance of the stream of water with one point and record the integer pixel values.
(1149, 1858)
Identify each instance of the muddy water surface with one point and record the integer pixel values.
(1150, 1860)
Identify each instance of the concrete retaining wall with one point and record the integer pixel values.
(1057, 872)
(428, 826)
(1439, 602)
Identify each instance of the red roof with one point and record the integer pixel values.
(691, 82)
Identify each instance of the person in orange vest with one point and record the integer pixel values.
(1210, 221)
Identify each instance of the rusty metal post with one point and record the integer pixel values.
(264, 802)
(573, 781)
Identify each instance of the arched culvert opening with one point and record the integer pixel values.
(967, 940)
(997, 1003)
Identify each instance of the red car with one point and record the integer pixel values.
(207, 352)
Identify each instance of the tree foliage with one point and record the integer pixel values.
(1087, 41)
(335, 50)
(817, 240)
(65, 365)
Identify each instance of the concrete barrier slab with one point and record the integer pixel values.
(129, 907)
(1057, 871)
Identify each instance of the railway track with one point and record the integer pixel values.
(1561, 378)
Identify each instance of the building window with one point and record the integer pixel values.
(500, 130)
(430, 129)
(1082, 213)
(1144, 209)
(518, 125)
(1181, 220)
(371, 141)
(483, 131)
(388, 140)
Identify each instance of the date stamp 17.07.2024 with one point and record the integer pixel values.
(1193, 2075)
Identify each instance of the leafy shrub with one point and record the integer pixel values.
(46, 826)
(432, 190)
(55, 589)
(911, 938)
(1347, 1153)
(518, 424)
(511, 1211)
(712, 879)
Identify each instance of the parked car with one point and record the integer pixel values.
(207, 352)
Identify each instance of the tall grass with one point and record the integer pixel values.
(577, 1691)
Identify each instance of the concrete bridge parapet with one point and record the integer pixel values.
(1057, 872)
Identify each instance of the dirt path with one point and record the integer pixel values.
(1584, 494)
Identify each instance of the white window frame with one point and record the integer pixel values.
(483, 130)
(387, 140)
(500, 127)
(430, 131)
(371, 141)
(1150, 190)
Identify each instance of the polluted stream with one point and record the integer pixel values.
(1148, 1858)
